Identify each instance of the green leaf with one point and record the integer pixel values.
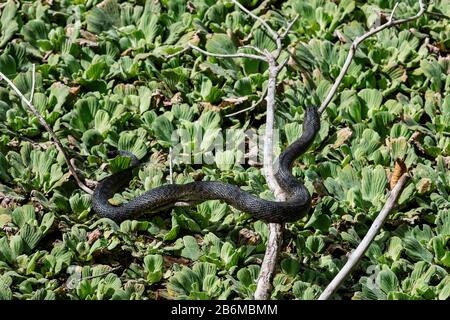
(60, 92)
(373, 184)
(129, 141)
(319, 221)
(17, 246)
(191, 249)
(229, 255)
(315, 244)
(444, 294)
(416, 251)
(148, 22)
(8, 66)
(102, 122)
(5, 251)
(224, 160)
(34, 30)
(387, 281)
(163, 130)
(103, 18)
(24, 214)
(209, 120)
(31, 235)
(290, 266)
(395, 248)
(153, 265)
(373, 99)
(80, 203)
(8, 23)
(220, 43)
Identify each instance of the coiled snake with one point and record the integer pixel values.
(296, 206)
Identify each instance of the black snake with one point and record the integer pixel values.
(296, 206)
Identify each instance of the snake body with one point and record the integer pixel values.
(297, 204)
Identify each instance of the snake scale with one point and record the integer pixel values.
(297, 204)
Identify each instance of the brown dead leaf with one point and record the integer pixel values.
(177, 98)
(341, 136)
(93, 236)
(247, 236)
(424, 185)
(169, 261)
(336, 250)
(74, 90)
(190, 7)
(88, 35)
(126, 52)
(232, 101)
(72, 140)
(341, 36)
(399, 170)
(209, 106)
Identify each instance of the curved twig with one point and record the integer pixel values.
(254, 105)
(228, 55)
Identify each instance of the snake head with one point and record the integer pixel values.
(134, 160)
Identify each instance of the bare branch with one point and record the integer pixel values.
(274, 242)
(233, 55)
(354, 46)
(264, 282)
(357, 254)
(55, 139)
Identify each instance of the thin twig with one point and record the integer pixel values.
(33, 81)
(282, 64)
(253, 48)
(101, 274)
(273, 34)
(228, 55)
(254, 105)
(289, 26)
(354, 46)
(171, 165)
(357, 254)
(55, 139)
(391, 17)
(3, 127)
(170, 56)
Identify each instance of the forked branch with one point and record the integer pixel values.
(390, 23)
